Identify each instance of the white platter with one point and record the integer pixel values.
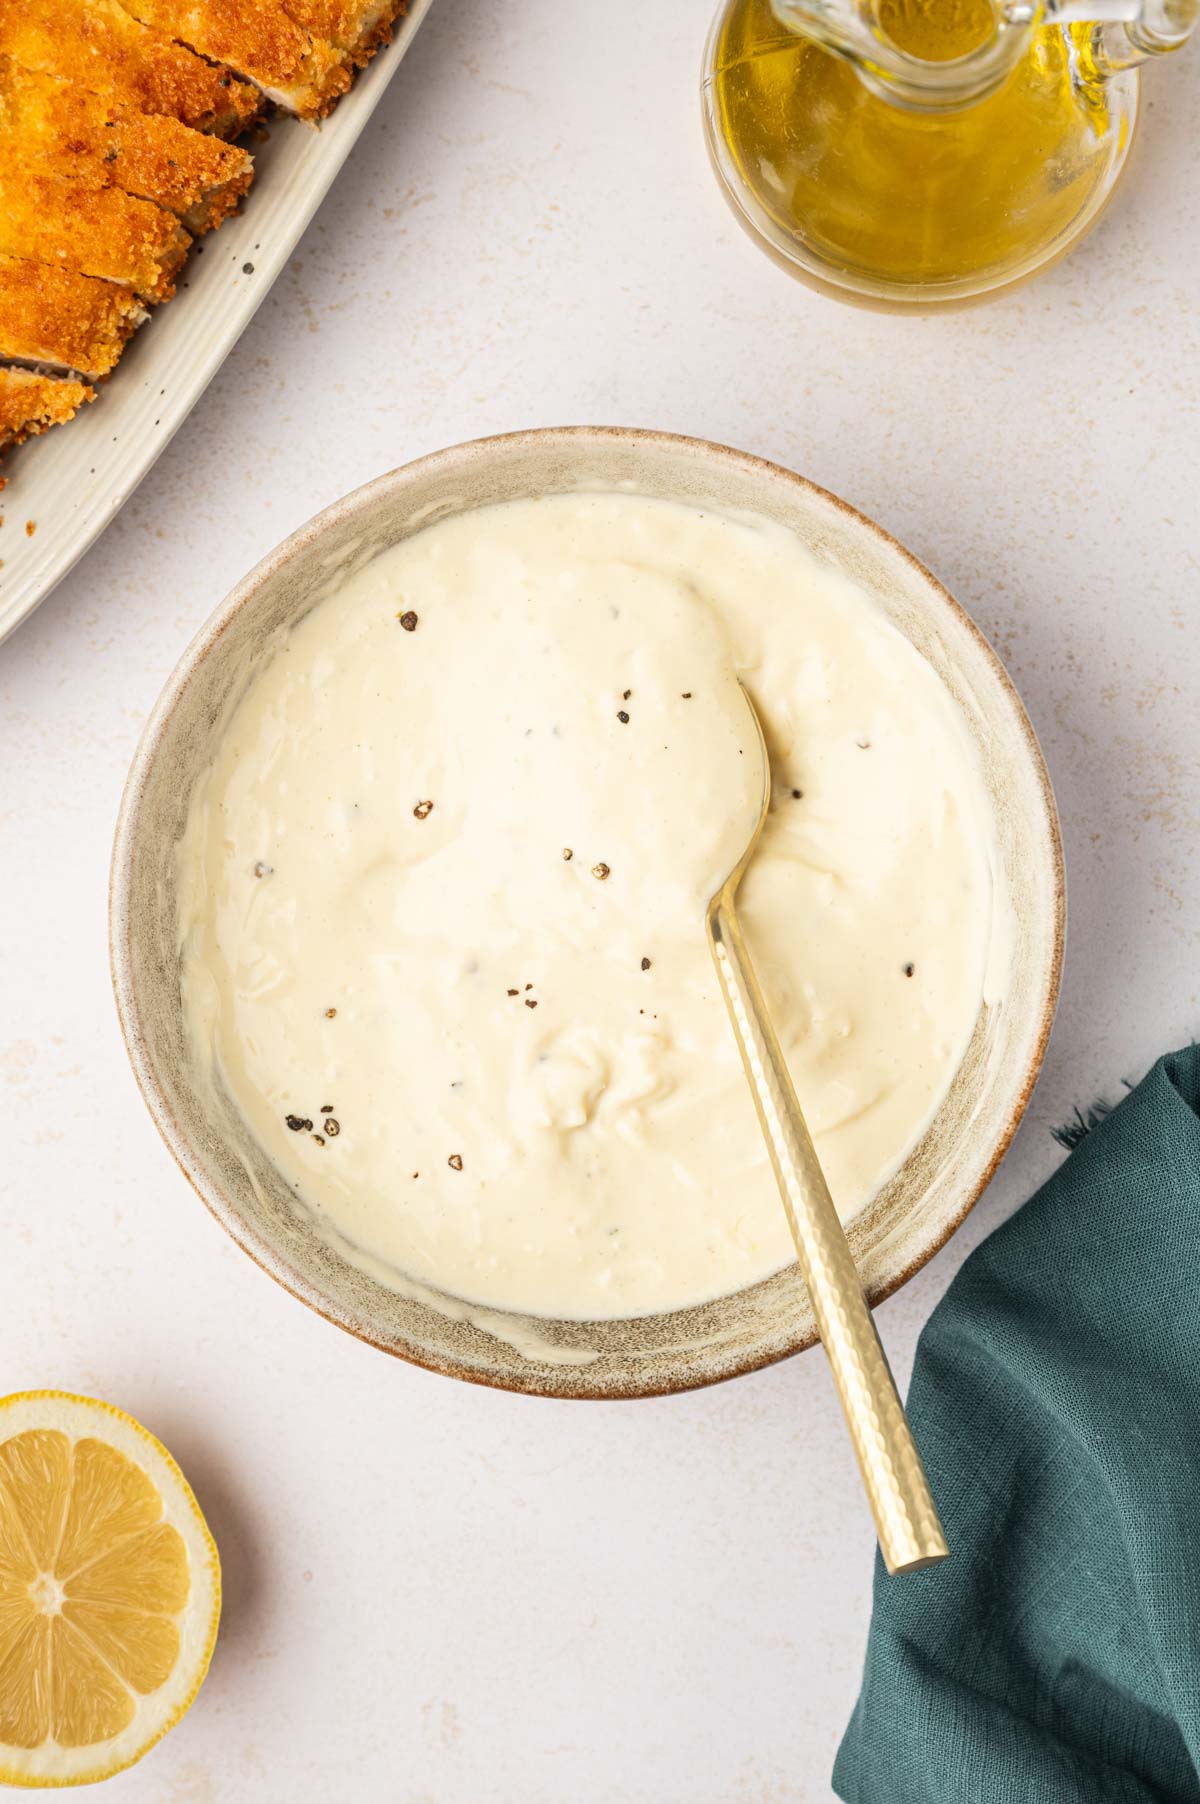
(71, 482)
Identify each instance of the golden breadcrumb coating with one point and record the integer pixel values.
(55, 317)
(30, 404)
(257, 38)
(93, 231)
(99, 45)
(76, 134)
(358, 27)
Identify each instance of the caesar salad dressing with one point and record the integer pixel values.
(442, 899)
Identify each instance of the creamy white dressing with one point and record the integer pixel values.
(495, 1018)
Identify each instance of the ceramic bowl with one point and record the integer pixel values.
(910, 1219)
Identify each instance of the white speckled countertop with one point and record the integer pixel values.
(437, 1595)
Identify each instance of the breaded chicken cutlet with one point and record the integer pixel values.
(30, 404)
(73, 133)
(64, 322)
(116, 126)
(302, 74)
(99, 45)
(92, 231)
(357, 29)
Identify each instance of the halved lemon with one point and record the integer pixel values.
(110, 1590)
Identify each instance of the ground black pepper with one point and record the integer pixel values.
(423, 810)
(455, 1161)
(333, 1126)
(529, 1002)
(645, 964)
(601, 872)
(568, 854)
(622, 717)
(408, 621)
(298, 1123)
(909, 970)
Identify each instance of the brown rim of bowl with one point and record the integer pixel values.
(120, 927)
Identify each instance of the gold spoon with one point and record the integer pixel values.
(906, 1518)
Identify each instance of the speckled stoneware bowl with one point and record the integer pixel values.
(912, 1217)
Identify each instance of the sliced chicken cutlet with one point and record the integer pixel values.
(53, 317)
(77, 134)
(92, 231)
(357, 27)
(99, 45)
(303, 74)
(30, 404)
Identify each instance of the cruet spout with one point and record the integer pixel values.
(942, 55)
(926, 55)
(1130, 33)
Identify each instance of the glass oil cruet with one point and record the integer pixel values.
(916, 153)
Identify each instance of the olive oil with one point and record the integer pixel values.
(896, 202)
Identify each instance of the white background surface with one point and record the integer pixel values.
(437, 1595)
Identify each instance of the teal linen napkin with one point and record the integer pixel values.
(1055, 1656)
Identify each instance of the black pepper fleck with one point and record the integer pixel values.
(514, 992)
(601, 872)
(408, 621)
(330, 1013)
(687, 695)
(333, 1126)
(423, 810)
(625, 694)
(909, 970)
(247, 269)
(298, 1123)
(797, 795)
(320, 1139)
(568, 855)
(327, 1108)
(529, 1002)
(645, 964)
(455, 1161)
(622, 717)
